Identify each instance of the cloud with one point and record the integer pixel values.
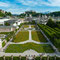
(16, 10)
(3, 4)
(40, 2)
(29, 2)
(54, 3)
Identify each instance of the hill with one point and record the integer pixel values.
(4, 13)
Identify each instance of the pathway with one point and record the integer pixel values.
(29, 52)
(56, 50)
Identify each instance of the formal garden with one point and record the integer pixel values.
(25, 26)
(38, 36)
(33, 26)
(20, 48)
(24, 36)
(21, 36)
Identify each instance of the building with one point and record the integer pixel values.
(7, 28)
(2, 11)
(41, 19)
(28, 18)
(2, 20)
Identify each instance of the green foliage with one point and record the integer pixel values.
(45, 58)
(37, 36)
(51, 23)
(20, 48)
(7, 24)
(52, 34)
(3, 44)
(8, 13)
(9, 35)
(21, 25)
(14, 58)
(57, 13)
(33, 13)
(5, 14)
(21, 36)
(24, 58)
(2, 14)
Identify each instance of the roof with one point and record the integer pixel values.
(7, 26)
(2, 20)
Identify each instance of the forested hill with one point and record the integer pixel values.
(3, 14)
(33, 13)
(57, 13)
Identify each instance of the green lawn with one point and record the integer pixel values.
(20, 48)
(32, 26)
(3, 44)
(37, 36)
(26, 26)
(21, 36)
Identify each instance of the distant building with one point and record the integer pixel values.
(2, 11)
(41, 19)
(2, 20)
(28, 18)
(7, 28)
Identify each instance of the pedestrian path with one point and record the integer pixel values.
(30, 52)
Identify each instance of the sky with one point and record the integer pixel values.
(20, 6)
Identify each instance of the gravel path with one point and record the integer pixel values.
(30, 52)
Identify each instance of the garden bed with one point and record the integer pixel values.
(38, 36)
(20, 48)
(21, 36)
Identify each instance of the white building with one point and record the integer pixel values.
(17, 23)
(3, 20)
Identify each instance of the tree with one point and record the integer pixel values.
(7, 24)
(2, 14)
(8, 13)
(51, 23)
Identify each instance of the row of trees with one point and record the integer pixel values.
(53, 24)
(52, 33)
(56, 13)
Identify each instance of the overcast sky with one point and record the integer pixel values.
(19, 6)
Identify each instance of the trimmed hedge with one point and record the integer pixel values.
(52, 34)
(3, 44)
